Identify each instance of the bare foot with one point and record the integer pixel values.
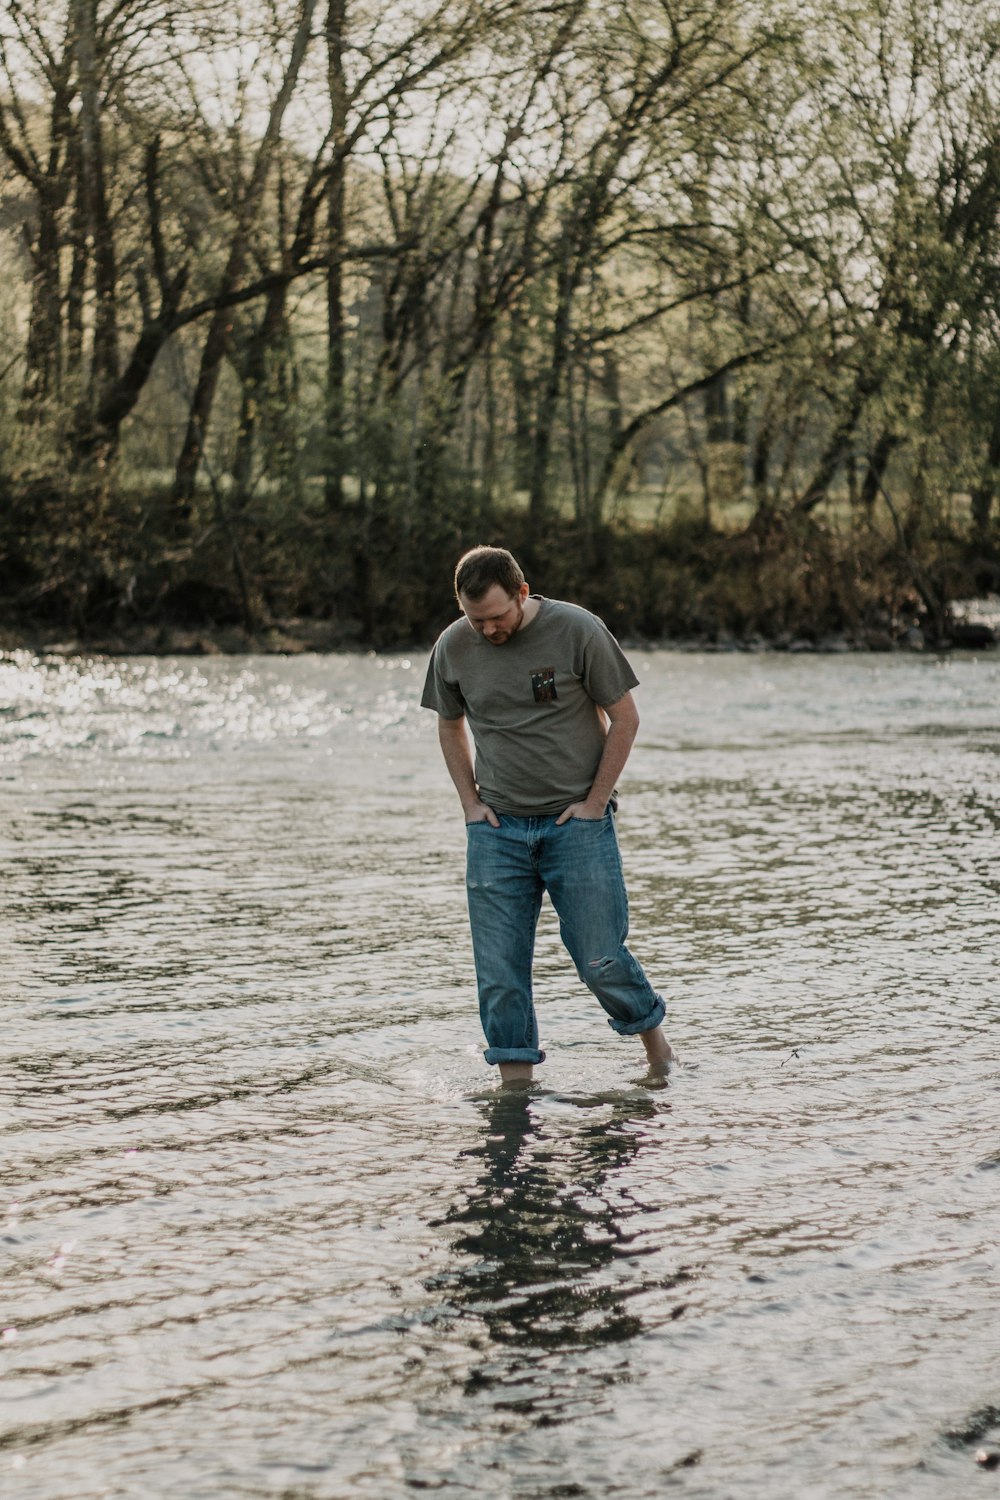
(515, 1072)
(659, 1053)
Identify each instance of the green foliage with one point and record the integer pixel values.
(698, 306)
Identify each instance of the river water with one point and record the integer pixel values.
(270, 1228)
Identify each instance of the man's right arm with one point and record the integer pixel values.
(453, 737)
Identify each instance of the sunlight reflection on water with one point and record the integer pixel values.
(269, 1228)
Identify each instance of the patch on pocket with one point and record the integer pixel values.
(543, 684)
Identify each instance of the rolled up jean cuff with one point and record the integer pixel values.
(632, 1028)
(495, 1055)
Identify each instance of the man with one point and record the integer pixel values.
(546, 691)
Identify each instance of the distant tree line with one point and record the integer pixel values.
(302, 296)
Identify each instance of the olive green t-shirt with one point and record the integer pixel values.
(531, 704)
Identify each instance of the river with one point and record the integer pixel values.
(270, 1230)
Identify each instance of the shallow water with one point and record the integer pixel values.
(270, 1229)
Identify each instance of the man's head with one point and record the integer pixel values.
(491, 591)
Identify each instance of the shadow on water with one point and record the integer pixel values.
(551, 1254)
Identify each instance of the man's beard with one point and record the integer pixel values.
(502, 636)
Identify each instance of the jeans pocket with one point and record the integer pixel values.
(591, 823)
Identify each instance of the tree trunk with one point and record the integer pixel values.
(76, 291)
(760, 466)
(489, 458)
(545, 416)
(254, 375)
(100, 436)
(216, 339)
(104, 364)
(984, 494)
(716, 406)
(43, 351)
(867, 383)
(878, 462)
(336, 364)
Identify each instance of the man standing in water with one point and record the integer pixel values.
(546, 692)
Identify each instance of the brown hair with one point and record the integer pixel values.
(480, 569)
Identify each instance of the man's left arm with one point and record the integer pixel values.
(623, 718)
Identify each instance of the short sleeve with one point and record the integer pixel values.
(607, 675)
(440, 694)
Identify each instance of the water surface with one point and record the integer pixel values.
(270, 1229)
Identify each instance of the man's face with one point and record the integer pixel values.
(497, 615)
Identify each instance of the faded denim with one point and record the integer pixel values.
(578, 863)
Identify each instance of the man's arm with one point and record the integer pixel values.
(453, 738)
(624, 722)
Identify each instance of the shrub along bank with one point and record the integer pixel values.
(122, 581)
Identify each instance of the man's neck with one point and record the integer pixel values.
(531, 608)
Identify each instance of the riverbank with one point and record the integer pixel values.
(974, 624)
(795, 584)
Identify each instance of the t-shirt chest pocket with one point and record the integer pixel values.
(543, 684)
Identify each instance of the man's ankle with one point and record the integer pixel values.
(658, 1049)
(515, 1072)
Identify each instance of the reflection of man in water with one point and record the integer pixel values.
(545, 1224)
(553, 720)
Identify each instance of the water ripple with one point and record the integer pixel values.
(269, 1231)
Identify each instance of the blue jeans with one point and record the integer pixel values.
(579, 865)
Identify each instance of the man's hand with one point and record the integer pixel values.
(623, 719)
(480, 813)
(457, 754)
(584, 811)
